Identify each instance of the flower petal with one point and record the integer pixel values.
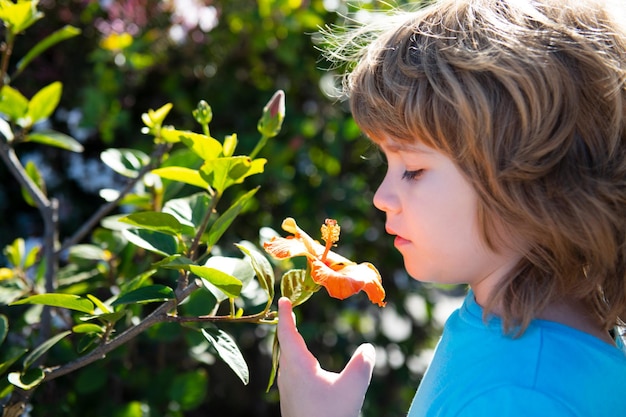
(343, 282)
(285, 247)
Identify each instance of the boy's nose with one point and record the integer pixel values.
(384, 199)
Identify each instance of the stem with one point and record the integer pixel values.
(259, 145)
(6, 56)
(193, 255)
(157, 316)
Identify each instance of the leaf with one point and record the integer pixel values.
(156, 242)
(43, 348)
(60, 35)
(189, 389)
(19, 16)
(69, 301)
(147, 294)
(154, 221)
(226, 283)
(88, 252)
(27, 380)
(155, 118)
(126, 162)
(225, 220)
(99, 304)
(44, 102)
(5, 130)
(56, 139)
(262, 268)
(13, 103)
(275, 357)
(190, 210)
(182, 174)
(298, 286)
(175, 261)
(204, 146)
(15, 252)
(236, 267)
(87, 328)
(221, 173)
(4, 327)
(228, 351)
(36, 177)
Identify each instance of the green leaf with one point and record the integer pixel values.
(56, 139)
(99, 304)
(298, 286)
(13, 103)
(43, 348)
(219, 227)
(15, 252)
(6, 131)
(34, 174)
(154, 221)
(147, 294)
(87, 252)
(19, 16)
(126, 162)
(156, 242)
(190, 210)
(175, 261)
(27, 380)
(262, 268)
(182, 174)
(155, 118)
(221, 173)
(44, 102)
(88, 328)
(235, 267)
(4, 327)
(69, 301)
(226, 283)
(204, 146)
(275, 358)
(228, 351)
(60, 35)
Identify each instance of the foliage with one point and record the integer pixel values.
(92, 252)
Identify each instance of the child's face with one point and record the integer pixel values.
(432, 210)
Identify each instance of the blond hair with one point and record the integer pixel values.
(528, 98)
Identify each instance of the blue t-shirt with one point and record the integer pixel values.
(552, 370)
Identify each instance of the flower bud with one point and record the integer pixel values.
(273, 115)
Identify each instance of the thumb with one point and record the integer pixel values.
(358, 371)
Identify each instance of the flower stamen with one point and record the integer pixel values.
(330, 234)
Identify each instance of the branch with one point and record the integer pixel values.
(155, 158)
(157, 316)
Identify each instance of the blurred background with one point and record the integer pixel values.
(135, 55)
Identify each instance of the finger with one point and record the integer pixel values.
(291, 342)
(358, 371)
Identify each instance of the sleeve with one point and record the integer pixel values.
(513, 401)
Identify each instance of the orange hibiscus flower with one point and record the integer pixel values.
(340, 276)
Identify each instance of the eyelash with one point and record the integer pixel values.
(412, 175)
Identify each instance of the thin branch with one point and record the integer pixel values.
(155, 159)
(160, 314)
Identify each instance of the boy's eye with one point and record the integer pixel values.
(412, 175)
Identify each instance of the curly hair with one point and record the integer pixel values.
(528, 98)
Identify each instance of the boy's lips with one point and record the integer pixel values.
(399, 240)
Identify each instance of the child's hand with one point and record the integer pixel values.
(306, 390)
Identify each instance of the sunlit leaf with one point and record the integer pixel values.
(88, 252)
(126, 162)
(11, 357)
(13, 103)
(26, 380)
(228, 351)
(154, 221)
(182, 174)
(44, 102)
(262, 268)
(99, 304)
(236, 267)
(19, 16)
(56, 139)
(147, 294)
(43, 348)
(88, 328)
(221, 173)
(204, 146)
(190, 210)
(69, 301)
(226, 283)
(156, 242)
(219, 227)
(34, 174)
(155, 118)
(298, 286)
(62, 34)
